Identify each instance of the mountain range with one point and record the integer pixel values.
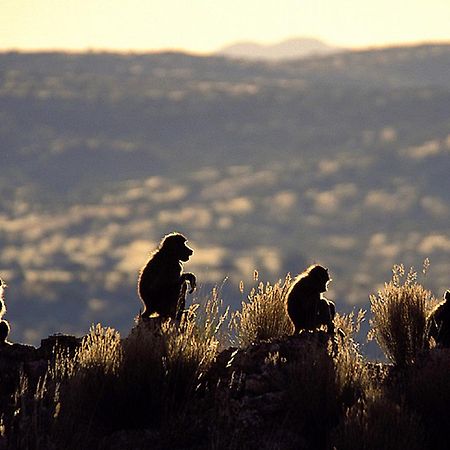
(289, 49)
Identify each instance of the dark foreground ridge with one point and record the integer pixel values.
(306, 391)
(241, 393)
(284, 371)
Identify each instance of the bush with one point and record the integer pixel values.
(400, 311)
(264, 316)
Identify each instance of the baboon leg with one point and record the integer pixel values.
(327, 311)
(181, 304)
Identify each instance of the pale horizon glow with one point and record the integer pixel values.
(202, 26)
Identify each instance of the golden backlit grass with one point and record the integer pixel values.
(330, 395)
(144, 381)
(263, 316)
(400, 310)
(353, 379)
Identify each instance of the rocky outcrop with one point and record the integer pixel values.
(20, 359)
(249, 383)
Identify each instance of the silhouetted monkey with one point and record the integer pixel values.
(306, 306)
(439, 322)
(162, 285)
(4, 325)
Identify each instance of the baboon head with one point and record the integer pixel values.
(174, 244)
(320, 277)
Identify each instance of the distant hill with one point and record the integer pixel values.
(289, 49)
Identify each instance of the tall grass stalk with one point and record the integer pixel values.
(34, 407)
(352, 376)
(100, 350)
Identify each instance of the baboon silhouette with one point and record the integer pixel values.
(306, 306)
(162, 285)
(4, 325)
(439, 322)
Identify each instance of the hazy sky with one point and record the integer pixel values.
(206, 25)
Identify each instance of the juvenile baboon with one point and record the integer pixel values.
(439, 322)
(162, 285)
(4, 325)
(306, 306)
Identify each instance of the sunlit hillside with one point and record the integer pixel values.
(342, 160)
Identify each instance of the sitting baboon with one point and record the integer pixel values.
(439, 322)
(162, 285)
(4, 325)
(306, 306)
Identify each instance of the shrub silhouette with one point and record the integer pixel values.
(162, 286)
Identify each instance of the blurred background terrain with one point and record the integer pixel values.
(341, 159)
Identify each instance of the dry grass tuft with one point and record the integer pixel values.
(264, 316)
(400, 312)
(352, 376)
(146, 381)
(100, 350)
